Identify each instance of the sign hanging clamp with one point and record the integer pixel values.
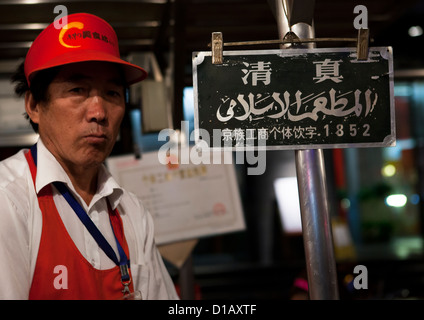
(362, 44)
(217, 47)
(217, 44)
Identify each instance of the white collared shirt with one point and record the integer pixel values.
(21, 224)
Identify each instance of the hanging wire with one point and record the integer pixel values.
(261, 42)
(285, 13)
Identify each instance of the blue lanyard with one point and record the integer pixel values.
(123, 262)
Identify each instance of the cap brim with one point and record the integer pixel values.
(132, 72)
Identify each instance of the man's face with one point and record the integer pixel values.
(80, 121)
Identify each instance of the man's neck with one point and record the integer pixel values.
(84, 181)
(82, 176)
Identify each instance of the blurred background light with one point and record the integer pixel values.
(396, 200)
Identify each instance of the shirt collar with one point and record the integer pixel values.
(50, 170)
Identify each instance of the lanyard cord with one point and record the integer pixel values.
(123, 263)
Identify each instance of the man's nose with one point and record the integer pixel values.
(97, 109)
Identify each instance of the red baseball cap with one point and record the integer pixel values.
(85, 37)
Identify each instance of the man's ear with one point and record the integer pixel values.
(31, 107)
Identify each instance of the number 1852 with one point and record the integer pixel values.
(352, 129)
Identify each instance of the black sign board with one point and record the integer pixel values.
(294, 99)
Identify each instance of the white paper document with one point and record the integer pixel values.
(186, 200)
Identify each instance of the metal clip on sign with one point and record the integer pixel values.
(362, 44)
(217, 43)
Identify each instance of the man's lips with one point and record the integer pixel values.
(96, 137)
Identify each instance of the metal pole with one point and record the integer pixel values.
(313, 196)
(316, 225)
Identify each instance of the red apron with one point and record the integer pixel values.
(61, 271)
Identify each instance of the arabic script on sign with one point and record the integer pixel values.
(296, 107)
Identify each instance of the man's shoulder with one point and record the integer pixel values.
(133, 205)
(13, 170)
(131, 199)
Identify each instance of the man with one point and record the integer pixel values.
(67, 229)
